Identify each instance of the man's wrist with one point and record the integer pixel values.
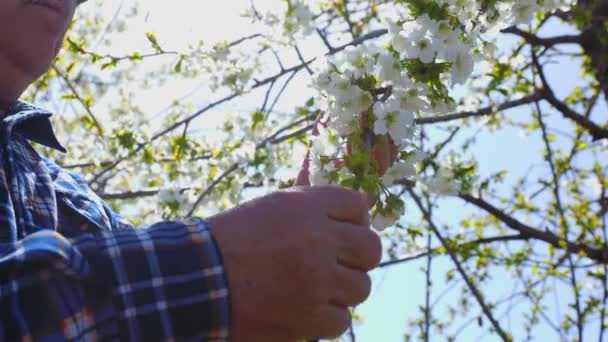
(227, 312)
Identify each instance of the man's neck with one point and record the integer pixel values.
(12, 83)
(4, 108)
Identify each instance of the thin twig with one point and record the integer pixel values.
(436, 250)
(86, 107)
(597, 132)
(427, 300)
(257, 84)
(482, 111)
(474, 290)
(599, 255)
(533, 39)
(563, 221)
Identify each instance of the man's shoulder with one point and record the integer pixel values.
(74, 191)
(65, 180)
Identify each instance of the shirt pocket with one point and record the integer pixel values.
(77, 214)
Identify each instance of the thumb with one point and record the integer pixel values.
(303, 178)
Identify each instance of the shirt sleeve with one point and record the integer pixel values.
(165, 282)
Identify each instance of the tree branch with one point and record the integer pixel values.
(596, 132)
(482, 111)
(80, 100)
(429, 284)
(599, 255)
(563, 221)
(436, 250)
(208, 190)
(474, 290)
(106, 163)
(132, 194)
(533, 39)
(371, 35)
(273, 139)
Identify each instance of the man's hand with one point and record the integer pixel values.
(295, 261)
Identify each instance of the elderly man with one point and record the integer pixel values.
(281, 268)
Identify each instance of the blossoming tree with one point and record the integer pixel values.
(402, 94)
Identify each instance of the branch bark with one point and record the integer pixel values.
(504, 238)
(188, 119)
(80, 100)
(474, 290)
(595, 42)
(533, 39)
(597, 132)
(482, 111)
(598, 254)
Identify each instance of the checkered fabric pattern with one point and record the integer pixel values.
(72, 269)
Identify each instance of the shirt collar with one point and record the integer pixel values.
(33, 123)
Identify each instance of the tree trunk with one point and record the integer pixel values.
(595, 40)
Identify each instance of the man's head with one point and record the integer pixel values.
(31, 33)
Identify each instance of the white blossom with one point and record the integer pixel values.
(324, 144)
(523, 11)
(381, 222)
(594, 185)
(462, 62)
(318, 171)
(442, 183)
(358, 61)
(390, 118)
(387, 68)
(459, 45)
(398, 171)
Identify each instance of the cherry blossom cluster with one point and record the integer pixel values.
(371, 94)
(171, 199)
(228, 69)
(290, 21)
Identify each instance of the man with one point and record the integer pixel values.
(281, 268)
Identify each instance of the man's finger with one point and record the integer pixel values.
(329, 322)
(358, 247)
(342, 204)
(352, 286)
(303, 176)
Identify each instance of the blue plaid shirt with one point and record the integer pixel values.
(72, 269)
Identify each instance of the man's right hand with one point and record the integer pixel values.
(295, 261)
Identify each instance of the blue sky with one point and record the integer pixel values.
(398, 291)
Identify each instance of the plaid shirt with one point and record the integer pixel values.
(72, 269)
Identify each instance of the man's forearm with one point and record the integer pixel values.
(161, 283)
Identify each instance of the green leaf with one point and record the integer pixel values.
(310, 102)
(152, 39)
(178, 66)
(147, 156)
(180, 147)
(257, 117)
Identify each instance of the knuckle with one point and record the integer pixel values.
(298, 206)
(339, 324)
(285, 198)
(317, 294)
(317, 289)
(357, 197)
(373, 249)
(364, 288)
(342, 193)
(314, 239)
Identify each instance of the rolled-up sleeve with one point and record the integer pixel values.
(162, 283)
